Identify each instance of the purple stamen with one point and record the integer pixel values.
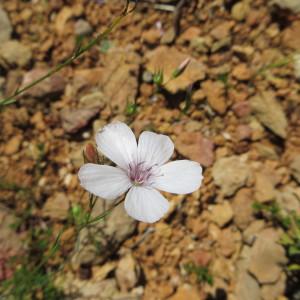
(140, 174)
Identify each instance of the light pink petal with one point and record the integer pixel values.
(117, 142)
(179, 177)
(154, 148)
(145, 204)
(104, 181)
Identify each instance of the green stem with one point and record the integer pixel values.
(77, 54)
(100, 217)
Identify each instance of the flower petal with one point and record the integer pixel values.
(154, 148)
(179, 177)
(117, 142)
(145, 204)
(104, 181)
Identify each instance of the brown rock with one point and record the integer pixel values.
(291, 36)
(214, 92)
(168, 59)
(267, 257)
(242, 208)
(5, 26)
(127, 273)
(201, 257)
(221, 214)
(186, 292)
(13, 145)
(75, 119)
(276, 290)
(230, 173)
(57, 207)
(195, 147)
(119, 78)
(13, 53)
(229, 242)
(53, 85)
(270, 113)
(295, 168)
(264, 188)
(241, 109)
(38, 120)
(222, 30)
(151, 36)
(247, 288)
(242, 72)
(243, 132)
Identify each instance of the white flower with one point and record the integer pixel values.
(141, 169)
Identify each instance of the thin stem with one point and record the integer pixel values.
(100, 217)
(78, 52)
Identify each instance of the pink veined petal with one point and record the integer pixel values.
(104, 181)
(118, 143)
(145, 204)
(154, 148)
(179, 177)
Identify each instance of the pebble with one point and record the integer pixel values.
(230, 173)
(221, 214)
(13, 145)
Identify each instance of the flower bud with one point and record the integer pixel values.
(90, 154)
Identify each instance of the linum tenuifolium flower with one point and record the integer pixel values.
(141, 168)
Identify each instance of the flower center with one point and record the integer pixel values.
(140, 174)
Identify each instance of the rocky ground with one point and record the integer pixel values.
(235, 109)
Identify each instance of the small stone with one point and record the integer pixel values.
(295, 168)
(291, 36)
(270, 113)
(75, 119)
(242, 208)
(267, 257)
(51, 86)
(127, 273)
(247, 288)
(214, 92)
(274, 291)
(201, 257)
(38, 121)
(83, 27)
(13, 145)
(221, 214)
(57, 207)
(186, 292)
(95, 99)
(195, 146)
(168, 36)
(240, 10)
(251, 232)
(222, 30)
(242, 109)
(230, 173)
(151, 36)
(264, 188)
(243, 132)
(288, 199)
(5, 26)
(15, 54)
(265, 151)
(242, 72)
(229, 241)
